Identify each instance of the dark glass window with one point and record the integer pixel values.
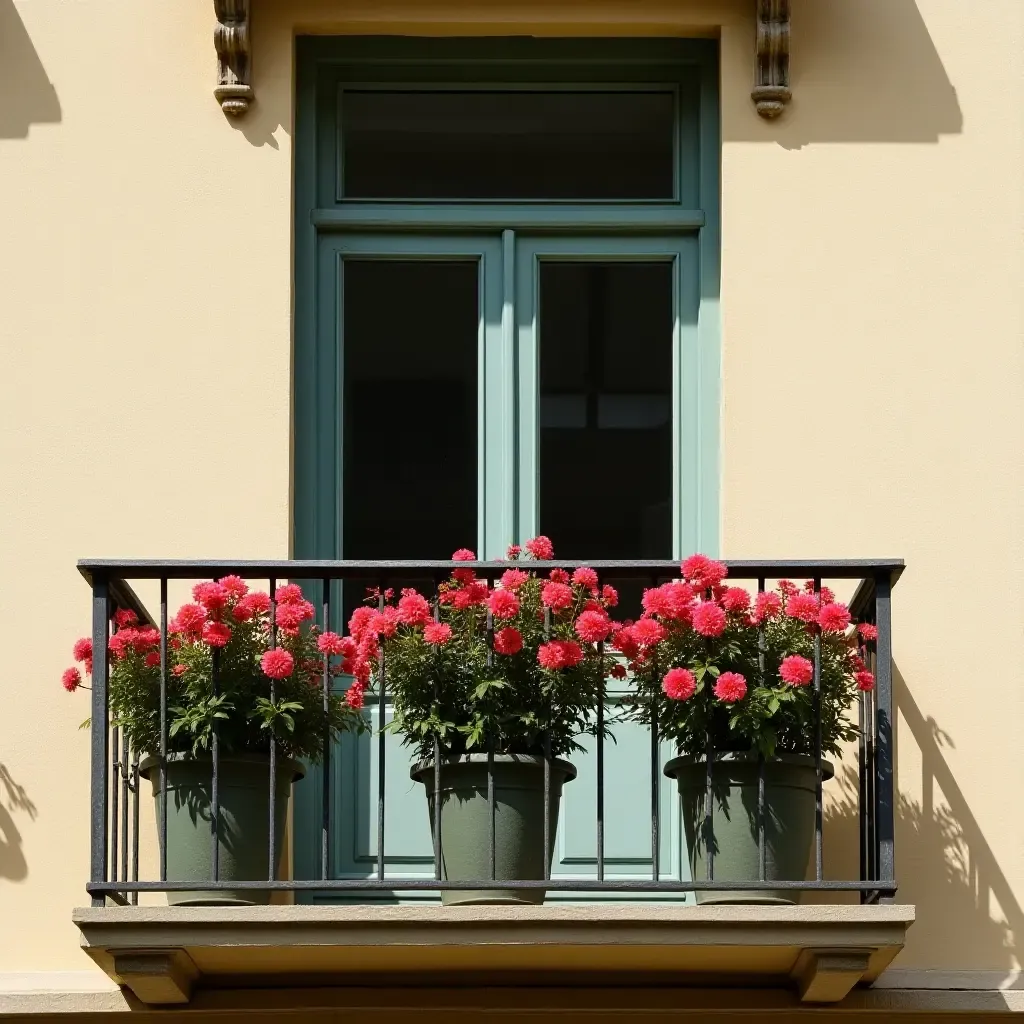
(557, 145)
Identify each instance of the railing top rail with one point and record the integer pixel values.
(186, 568)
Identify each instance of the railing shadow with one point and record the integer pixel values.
(968, 917)
(13, 798)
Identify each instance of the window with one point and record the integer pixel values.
(506, 287)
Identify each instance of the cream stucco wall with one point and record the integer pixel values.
(873, 372)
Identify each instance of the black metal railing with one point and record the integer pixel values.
(114, 871)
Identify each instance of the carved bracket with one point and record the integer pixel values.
(231, 39)
(771, 90)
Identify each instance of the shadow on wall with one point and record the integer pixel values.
(861, 72)
(967, 915)
(27, 96)
(13, 800)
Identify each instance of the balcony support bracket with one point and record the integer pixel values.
(157, 977)
(771, 92)
(234, 60)
(828, 975)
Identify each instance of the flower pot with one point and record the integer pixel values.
(518, 822)
(244, 832)
(789, 821)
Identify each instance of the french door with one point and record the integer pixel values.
(504, 301)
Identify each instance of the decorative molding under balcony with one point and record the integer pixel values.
(771, 90)
(234, 61)
(822, 951)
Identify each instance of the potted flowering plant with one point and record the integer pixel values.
(493, 679)
(722, 669)
(230, 626)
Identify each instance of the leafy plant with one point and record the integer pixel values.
(714, 664)
(512, 669)
(257, 645)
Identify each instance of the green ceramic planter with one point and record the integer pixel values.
(789, 821)
(518, 822)
(244, 795)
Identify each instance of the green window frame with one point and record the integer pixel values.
(510, 239)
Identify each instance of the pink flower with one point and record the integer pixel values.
(796, 671)
(803, 607)
(463, 555)
(513, 579)
(624, 641)
(766, 606)
(704, 572)
(730, 687)
(617, 671)
(413, 608)
(834, 617)
(216, 634)
(865, 681)
(559, 576)
(669, 601)
(541, 548)
(513, 552)
(354, 696)
(277, 663)
(826, 595)
(125, 617)
(866, 630)
(288, 594)
(82, 649)
(508, 640)
(153, 659)
(503, 604)
(787, 588)
(557, 596)
(463, 575)
(679, 684)
(235, 586)
(736, 599)
(558, 654)
(212, 596)
(290, 615)
(593, 626)
(646, 632)
(584, 576)
(179, 669)
(360, 621)
(330, 643)
(708, 619)
(476, 593)
(437, 633)
(609, 595)
(71, 680)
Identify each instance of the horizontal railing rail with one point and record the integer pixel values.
(114, 872)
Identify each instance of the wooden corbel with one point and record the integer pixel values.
(771, 90)
(231, 38)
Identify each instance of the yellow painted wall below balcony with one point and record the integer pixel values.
(873, 374)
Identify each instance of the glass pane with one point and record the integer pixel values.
(508, 145)
(606, 408)
(410, 412)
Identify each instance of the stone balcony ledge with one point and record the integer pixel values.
(162, 953)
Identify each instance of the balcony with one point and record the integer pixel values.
(665, 917)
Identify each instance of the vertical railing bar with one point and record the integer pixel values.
(884, 799)
(547, 771)
(600, 766)
(437, 766)
(655, 787)
(380, 750)
(709, 805)
(272, 774)
(163, 729)
(115, 789)
(99, 735)
(761, 768)
(491, 811)
(818, 815)
(125, 798)
(862, 791)
(134, 787)
(215, 771)
(872, 745)
(325, 806)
